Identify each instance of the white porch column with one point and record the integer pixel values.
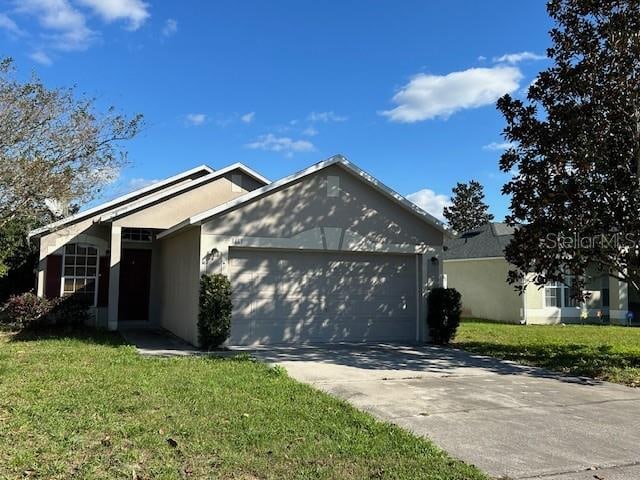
(40, 279)
(114, 277)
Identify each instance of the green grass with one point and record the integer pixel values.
(608, 353)
(90, 407)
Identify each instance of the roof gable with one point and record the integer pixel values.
(337, 160)
(149, 195)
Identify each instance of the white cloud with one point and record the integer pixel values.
(498, 146)
(66, 27)
(170, 27)
(135, 12)
(432, 96)
(482, 58)
(40, 57)
(514, 58)
(10, 26)
(287, 145)
(195, 119)
(310, 132)
(64, 23)
(430, 202)
(248, 117)
(326, 117)
(138, 183)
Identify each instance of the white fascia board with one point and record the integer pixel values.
(472, 259)
(180, 188)
(334, 160)
(116, 201)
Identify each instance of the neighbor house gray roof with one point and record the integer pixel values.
(486, 241)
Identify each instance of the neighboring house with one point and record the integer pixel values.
(474, 264)
(328, 254)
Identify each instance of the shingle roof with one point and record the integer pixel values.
(488, 240)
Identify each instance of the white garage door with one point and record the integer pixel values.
(300, 297)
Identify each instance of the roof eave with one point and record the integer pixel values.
(334, 160)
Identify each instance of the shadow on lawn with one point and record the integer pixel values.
(84, 335)
(597, 361)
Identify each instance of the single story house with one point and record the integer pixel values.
(475, 265)
(328, 254)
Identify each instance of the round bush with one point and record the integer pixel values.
(444, 310)
(214, 316)
(27, 310)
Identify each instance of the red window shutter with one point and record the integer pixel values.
(53, 276)
(103, 282)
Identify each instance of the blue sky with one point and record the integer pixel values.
(406, 90)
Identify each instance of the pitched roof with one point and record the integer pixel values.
(338, 160)
(486, 241)
(148, 195)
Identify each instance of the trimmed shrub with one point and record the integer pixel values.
(30, 311)
(444, 310)
(214, 316)
(27, 310)
(70, 311)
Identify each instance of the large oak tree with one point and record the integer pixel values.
(55, 148)
(576, 148)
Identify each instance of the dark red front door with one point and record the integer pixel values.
(135, 278)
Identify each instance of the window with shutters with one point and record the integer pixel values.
(80, 271)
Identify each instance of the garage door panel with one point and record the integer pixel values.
(298, 297)
(376, 306)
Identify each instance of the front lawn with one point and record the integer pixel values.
(90, 407)
(603, 352)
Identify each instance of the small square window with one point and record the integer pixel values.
(333, 186)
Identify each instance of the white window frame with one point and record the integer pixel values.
(562, 291)
(128, 230)
(64, 263)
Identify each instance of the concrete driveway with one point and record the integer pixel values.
(510, 421)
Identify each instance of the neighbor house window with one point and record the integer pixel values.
(80, 271)
(557, 295)
(137, 234)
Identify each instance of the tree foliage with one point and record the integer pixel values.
(468, 209)
(215, 308)
(444, 307)
(576, 154)
(54, 148)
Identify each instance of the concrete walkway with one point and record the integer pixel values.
(510, 421)
(157, 342)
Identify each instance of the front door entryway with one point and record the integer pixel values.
(135, 279)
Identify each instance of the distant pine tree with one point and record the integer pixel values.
(468, 209)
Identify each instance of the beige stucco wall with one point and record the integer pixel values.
(304, 205)
(537, 313)
(303, 216)
(484, 289)
(175, 209)
(178, 284)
